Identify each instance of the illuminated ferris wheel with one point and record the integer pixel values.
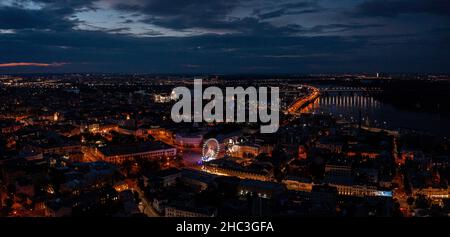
(211, 150)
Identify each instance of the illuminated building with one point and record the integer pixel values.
(60, 149)
(364, 151)
(361, 191)
(245, 151)
(185, 211)
(432, 192)
(55, 117)
(227, 167)
(161, 134)
(133, 132)
(329, 144)
(296, 184)
(99, 128)
(370, 155)
(407, 154)
(333, 170)
(164, 98)
(249, 149)
(118, 154)
(9, 126)
(121, 186)
(260, 188)
(302, 155)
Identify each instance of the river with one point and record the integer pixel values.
(352, 105)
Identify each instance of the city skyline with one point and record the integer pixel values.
(228, 109)
(224, 36)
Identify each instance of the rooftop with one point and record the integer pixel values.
(117, 150)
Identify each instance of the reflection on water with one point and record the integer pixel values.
(351, 102)
(356, 105)
(352, 107)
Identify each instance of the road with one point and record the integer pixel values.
(145, 206)
(302, 101)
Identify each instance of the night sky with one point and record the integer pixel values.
(225, 36)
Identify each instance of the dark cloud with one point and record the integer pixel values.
(292, 8)
(128, 21)
(100, 51)
(67, 4)
(337, 28)
(217, 8)
(284, 12)
(90, 51)
(211, 15)
(272, 14)
(53, 15)
(392, 8)
(187, 14)
(241, 26)
(16, 18)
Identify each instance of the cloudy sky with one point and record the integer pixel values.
(224, 36)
